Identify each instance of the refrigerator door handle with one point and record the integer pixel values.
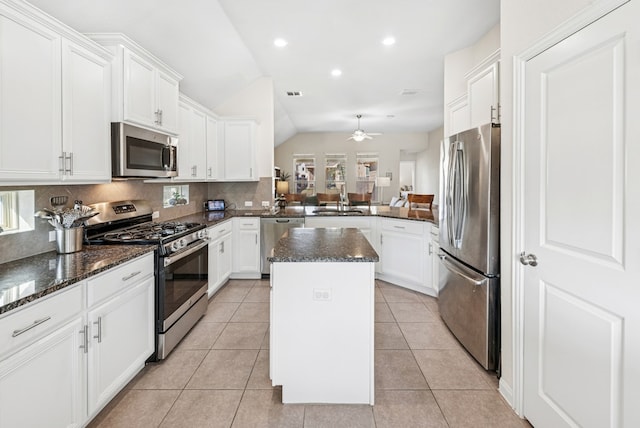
(450, 192)
(461, 194)
(453, 268)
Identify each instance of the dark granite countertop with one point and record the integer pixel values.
(25, 280)
(323, 245)
(211, 218)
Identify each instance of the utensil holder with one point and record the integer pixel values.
(69, 240)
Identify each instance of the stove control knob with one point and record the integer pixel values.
(202, 234)
(175, 246)
(182, 242)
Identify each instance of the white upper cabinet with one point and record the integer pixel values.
(458, 115)
(238, 147)
(55, 91)
(212, 148)
(86, 92)
(192, 141)
(483, 93)
(145, 90)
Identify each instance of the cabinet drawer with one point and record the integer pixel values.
(403, 226)
(219, 230)
(38, 318)
(118, 278)
(250, 223)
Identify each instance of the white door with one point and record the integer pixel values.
(139, 90)
(581, 221)
(168, 93)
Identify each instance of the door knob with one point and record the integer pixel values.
(528, 259)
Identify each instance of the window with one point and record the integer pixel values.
(366, 174)
(175, 195)
(16, 210)
(335, 173)
(304, 174)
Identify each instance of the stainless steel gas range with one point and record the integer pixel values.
(181, 263)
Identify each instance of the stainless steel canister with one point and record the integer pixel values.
(69, 240)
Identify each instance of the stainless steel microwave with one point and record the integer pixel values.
(138, 152)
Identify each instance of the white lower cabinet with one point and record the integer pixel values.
(404, 254)
(43, 385)
(246, 247)
(65, 356)
(120, 341)
(434, 250)
(220, 255)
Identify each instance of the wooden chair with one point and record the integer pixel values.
(359, 199)
(328, 198)
(295, 197)
(415, 200)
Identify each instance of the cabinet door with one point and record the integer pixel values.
(435, 265)
(139, 91)
(86, 135)
(239, 150)
(30, 101)
(403, 256)
(458, 116)
(213, 283)
(121, 340)
(185, 169)
(484, 97)
(212, 148)
(247, 251)
(198, 144)
(167, 102)
(42, 385)
(226, 258)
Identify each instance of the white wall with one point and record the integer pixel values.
(522, 23)
(387, 146)
(428, 166)
(256, 101)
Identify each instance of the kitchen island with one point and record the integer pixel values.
(322, 316)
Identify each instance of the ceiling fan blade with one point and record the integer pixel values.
(368, 137)
(373, 133)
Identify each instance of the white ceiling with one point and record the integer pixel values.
(221, 46)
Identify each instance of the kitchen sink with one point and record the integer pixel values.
(337, 212)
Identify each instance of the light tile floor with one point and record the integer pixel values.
(218, 376)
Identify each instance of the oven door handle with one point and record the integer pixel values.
(182, 255)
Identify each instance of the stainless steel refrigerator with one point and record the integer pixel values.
(469, 295)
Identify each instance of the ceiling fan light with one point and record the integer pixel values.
(358, 138)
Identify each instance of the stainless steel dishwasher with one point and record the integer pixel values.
(271, 229)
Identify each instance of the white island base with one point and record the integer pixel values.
(322, 331)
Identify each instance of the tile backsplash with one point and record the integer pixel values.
(25, 244)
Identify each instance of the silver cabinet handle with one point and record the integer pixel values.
(128, 277)
(99, 325)
(222, 247)
(528, 259)
(70, 170)
(160, 113)
(36, 323)
(399, 227)
(256, 239)
(209, 173)
(85, 338)
(157, 113)
(430, 248)
(62, 159)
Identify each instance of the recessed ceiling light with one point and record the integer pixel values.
(388, 41)
(391, 116)
(280, 43)
(336, 72)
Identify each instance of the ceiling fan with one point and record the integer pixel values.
(359, 134)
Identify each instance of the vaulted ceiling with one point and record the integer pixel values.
(221, 46)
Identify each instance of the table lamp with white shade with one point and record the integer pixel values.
(383, 182)
(282, 187)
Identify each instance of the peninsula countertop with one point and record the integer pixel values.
(323, 245)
